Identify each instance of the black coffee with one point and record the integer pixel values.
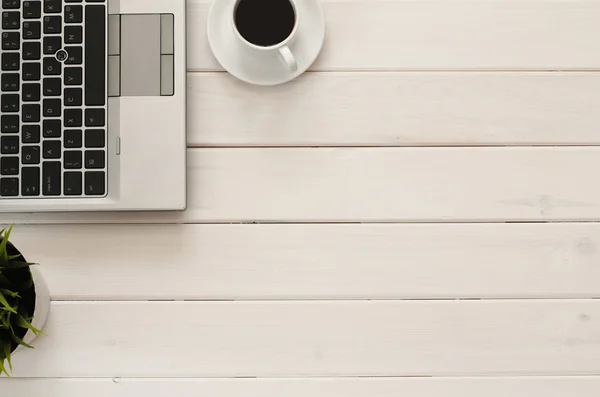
(265, 22)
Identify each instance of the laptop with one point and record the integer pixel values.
(93, 105)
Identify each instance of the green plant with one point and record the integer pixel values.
(16, 295)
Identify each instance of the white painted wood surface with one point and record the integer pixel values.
(389, 172)
(317, 339)
(377, 185)
(336, 387)
(283, 262)
(442, 35)
(397, 109)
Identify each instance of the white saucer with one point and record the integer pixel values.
(269, 70)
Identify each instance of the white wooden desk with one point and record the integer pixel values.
(415, 216)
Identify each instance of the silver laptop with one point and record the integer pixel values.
(93, 105)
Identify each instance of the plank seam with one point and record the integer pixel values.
(259, 378)
(337, 301)
(412, 146)
(402, 70)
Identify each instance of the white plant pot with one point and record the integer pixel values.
(42, 305)
(42, 302)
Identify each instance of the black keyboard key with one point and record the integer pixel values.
(73, 160)
(31, 72)
(30, 155)
(10, 61)
(94, 117)
(95, 138)
(95, 55)
(75, 56)
(73, 97)
(73, 14)
(10, 82)
(51, 149)
(9, 166)
(52, 6)
(31, 92)
(72, 139)
(52, 87)
(73, 34)
(94, 183)
(11, 4)
(31, 133)
(9, 187)
(10, 123)
(11, 20)
(32, 51)
(73, 118)
(52, 129)
(52, 67)
(9, 144)
(51, 178)
(74, 76)
(94, 159)
(53, 24)
(32, 9)
(11, 41)
(73, 184)
(32, 30)
(30, 181)
(30, 113)
(52, 44)
(10, 103)
(52, 107)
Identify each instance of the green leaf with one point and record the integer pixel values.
(5, 319)
(16, 265)
(4, 303)
(20, 342)
(9, 293)
(7, 351)
(3, 250)
(26, 324)
(2, 369)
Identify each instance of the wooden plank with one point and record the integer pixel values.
(328, 387)
(296, 339)
(377, 185)
(394, 261)
(396, 109)
(442, 35)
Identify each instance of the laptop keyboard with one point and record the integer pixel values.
(53, 135)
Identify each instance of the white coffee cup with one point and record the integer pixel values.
(280, 48)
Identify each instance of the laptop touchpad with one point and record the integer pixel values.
(145, 55)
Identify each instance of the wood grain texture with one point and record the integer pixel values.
(296, 339)
(396, 109)
(377, 185)
(269, 262)
(319, 309)
(442, 35)
(336, 387)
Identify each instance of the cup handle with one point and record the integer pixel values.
(288, 59)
